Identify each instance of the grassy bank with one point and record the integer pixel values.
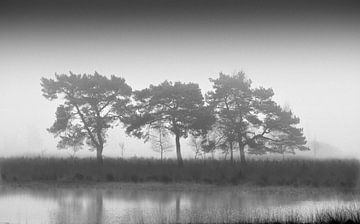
(339, 216)
(330, 173)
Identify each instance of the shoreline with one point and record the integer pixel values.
(158, 186)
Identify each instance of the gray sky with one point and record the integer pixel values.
(308, 53)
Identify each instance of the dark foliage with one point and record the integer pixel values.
(178, 106)
(251, 118)
(92, 104)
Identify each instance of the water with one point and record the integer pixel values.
(156, 203)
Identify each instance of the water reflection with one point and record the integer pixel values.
(61, 205)
(177, 209)
(78, 208)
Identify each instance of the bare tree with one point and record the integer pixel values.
(122, 148)
(160, 141)
(315, 146)
(74, 150)
(43, 151)
(195, 144)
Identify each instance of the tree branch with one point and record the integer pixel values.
(86, 125)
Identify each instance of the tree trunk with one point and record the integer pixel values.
(178, 150)
(242, 153)
(161, 156)
(161, 146)
(99, 157)
(231, 152)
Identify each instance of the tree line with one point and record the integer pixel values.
(234, 115)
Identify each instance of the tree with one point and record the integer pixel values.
(195, 144)
(87, 111)
(251, 118)
(72, 141)
(178, 106)
(277, 131)
(214, 140)
(122, 148)
(160, 140)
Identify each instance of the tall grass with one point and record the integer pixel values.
(300, 172)
(342, 215)
(336, 216)
(339, 216)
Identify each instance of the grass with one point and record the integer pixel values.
(337, 216)
(294, 172)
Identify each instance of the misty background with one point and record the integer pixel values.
(308, 52)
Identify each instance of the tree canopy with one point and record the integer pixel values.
(178, 106)
(251, 118)
(233, 115)
(91, 105)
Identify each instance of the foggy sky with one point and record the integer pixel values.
(307, 51)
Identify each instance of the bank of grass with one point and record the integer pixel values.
(291, 172)
(337, 216)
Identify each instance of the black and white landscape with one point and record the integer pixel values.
(171, 111)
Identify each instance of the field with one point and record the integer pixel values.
(291, 172)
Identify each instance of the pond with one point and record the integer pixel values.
(161, 203)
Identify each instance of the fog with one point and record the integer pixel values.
(309, 57)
